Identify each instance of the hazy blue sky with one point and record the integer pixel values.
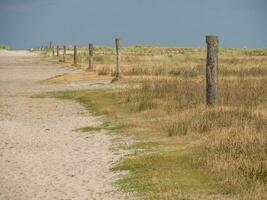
(27, 23)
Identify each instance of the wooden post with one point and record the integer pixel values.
(212, 70)
(50, 45)
(64, 53)
(91, 57)
(57, 51)
(118, 58)
(75, 55)
(53, 51)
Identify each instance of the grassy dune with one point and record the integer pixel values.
(174, 62)
(185, 150)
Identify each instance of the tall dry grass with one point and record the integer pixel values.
(176, 62)
(233, 139)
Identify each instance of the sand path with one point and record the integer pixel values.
(41, 157)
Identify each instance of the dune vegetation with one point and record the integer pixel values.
(184, 149)
(3, 47)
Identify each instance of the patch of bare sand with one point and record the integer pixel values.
(41, 157)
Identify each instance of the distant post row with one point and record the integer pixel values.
(211, 64)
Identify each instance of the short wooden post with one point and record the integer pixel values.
(91, 57)
(64, 53)
(212, 70)
(118, 58)
(57, 51)
(75, 55)
(53, 51)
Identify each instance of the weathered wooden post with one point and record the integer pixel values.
(75, 55)
(57, 51)
(53, 51)
(91, 57)
(212, 70)
(64, 53)
(118, 58)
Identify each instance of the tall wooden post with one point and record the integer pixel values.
(118, 58)
(57, 51)
(91, 57)
(212, 70)
(64, 53)
(75, 55)
(50, 45)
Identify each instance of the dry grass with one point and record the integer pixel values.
(174, 62)
(187, 150)
(232, 137)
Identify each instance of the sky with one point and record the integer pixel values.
(176, 23)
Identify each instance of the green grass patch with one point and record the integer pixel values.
(88, 129)
(3, 47)
(104, 126)
(164, 172)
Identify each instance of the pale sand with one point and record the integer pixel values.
(41, 157)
